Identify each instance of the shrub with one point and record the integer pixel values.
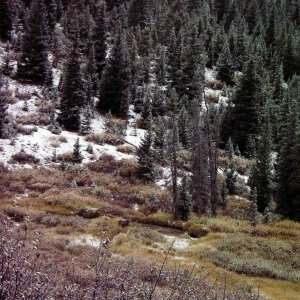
(23, 95)
(128, 168)
(212, 98)
(215, 84)
(105, 138)
(15, 214)
(257, 256)
(67, 156)
(127, 149)
(22, 157)
(89, 213)
(105, 164)
(197, 231)
(26, 130)
(49, 220)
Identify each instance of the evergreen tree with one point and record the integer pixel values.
(100, 31)
(4, 117)
(184, 201)
(77, 157)
(5, 19)
(73, 94)
(225, 64)
(34, 65)
(263, 165)
(114, 84)
(85, 126)
(286, 164)
(229, 149)
(253, 207)
(145, 158)
(231, 178)
(244, 114)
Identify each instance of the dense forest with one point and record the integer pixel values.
(213, 84)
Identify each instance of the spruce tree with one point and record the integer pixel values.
(286, 165)
(100, 36)
(184, 204)
(292, 208)
(5, 19)
(253, 207)
(244, 114)
(4, 117)
(263, 165)
(85, 124)
(73, 94)
(34, 65)
(225, 65)
(115, 80)
(231, 177)
(145, 158)
(77, 156)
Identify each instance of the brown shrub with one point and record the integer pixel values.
(105, 138)
(128, 168)
(67, 156)
(197, 231)
(105, 164)
(26, 130)
(127, 149)
(28, 119)
(44, 119)
(22, 157)
(89, 213)
(212, 98)
(23, 95)
(40, 187)
(48, 220)
(215, 84)
(15, 214)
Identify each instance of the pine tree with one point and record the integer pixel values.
(73, 93)
(85, 126)
(286, 164)
(231, 178)
(34, 65)
(100, 37)
(263, 165)
(244, 114)
(184, 201)
(253, 207)
(77, 157)
(145, 158)
(5, 19)
(229, 149)
(4, 117)
(114, 84)
(225, 65)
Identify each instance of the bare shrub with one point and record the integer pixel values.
(23, 158)
(105, 164)
(105, 138)
(89, 213)
(127, 149)
(26, 130)
(212, 98)
(15, 214)
(23, 95)
(128, 168)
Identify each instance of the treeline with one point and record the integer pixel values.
(152, 55)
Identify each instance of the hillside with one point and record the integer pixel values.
(149, 149)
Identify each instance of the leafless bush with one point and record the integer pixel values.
(22, 157)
